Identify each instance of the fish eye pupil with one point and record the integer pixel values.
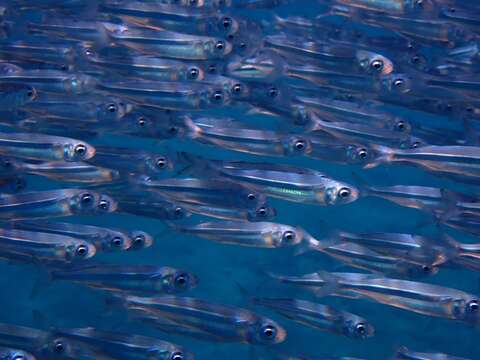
(269, 331)
(161, 163)
(344, 192)
(469, 109)
(117, 241)
(362, 153)
(178, 211)
(237, 88)
(219, 45)
(181, 280)
(473, 306)
(300, 145)
(399, 83)
(80, 149)
(401, 125)
(212, 69)
(361, 328)
(193, 73)
(218, 96)
(272, 92)
(141, 121)
(59, 347)
(377, 64)
(426, 268)
(262, 211)
(227, 22)
(19, 357)
(82, 250)
(139, 239)
(30, 92)
(177, 356)
(103, 204)
(112, 108)
(87, 199)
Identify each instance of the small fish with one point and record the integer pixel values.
(393, 7)
(54, 203)
(318, 316)
(43, 51)
(126, 346)
(197, 318)
(14, 96)
(422, 298)
(404, 354)
(44, 147)
(104, 239)
(142, 280)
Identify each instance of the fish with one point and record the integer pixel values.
(39, 247)
(422, 298)
(142, 280)
(405, 354)
(44, 147)
(15, 354)
(319, 316)
(197, 318)
(258, 234)
(14, 96)
(54, 203)
(104, 239)
(394, 7)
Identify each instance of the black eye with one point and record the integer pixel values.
(273, 92)
(377, 64)
(178, 212)
(212, 69)
(288, 236)
(217, 96)
(230, 37)
(104, 204)
(473, 306)
(141, 121)
(401, 125)
(112, 108)
(181, 280)
(80, 149)
(299, 145)
(243, 45)
(7, 164)
(87, 199)
(59, 347)
(251, 197)
(220, 45)
(469, 109)
(399, 83)
(172, 130)
(117, 241)
(161, 163)
(237, 88)
(30, 93)
(193, 73)
(452, 9)
(82, 250)
(344, 192)
(419, 3)
(177, 356)
(89, 52)
(262, 212)
(18, 357)
(139, 240)
(227, 22)
(426, 268)
(361, 329)
(269, 332)
(362, 153)
(415, 145)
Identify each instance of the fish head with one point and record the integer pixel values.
(59, 347)
(79, 84)
(338, 193)
(140, 240)
(117, 241)
(265, 332)
(467, 310)
(176, 281)
(78, 151)
(171, 352)
(91, 202)
(373, 63)
(111, 110)
(159, 165)
(297, 145)
(263, 212)
(227, 25)
(288, 236)
(360, 154)
(14, 354)
(421, 6)
(396, 83)
(217, 48)
(194, 73)
(358, 328)
(79, 251)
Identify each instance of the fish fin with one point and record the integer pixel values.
(330, 287)
(385, 155)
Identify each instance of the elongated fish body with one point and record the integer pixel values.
(54, 203)
(405, 354)
(205, 320)
(322, 317)
(130, 279)
(422, 298)
(259, 234)
(126, 346)
(44, 147)
(104, 239)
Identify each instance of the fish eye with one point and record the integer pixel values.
(178, 212)
(217, 96)
(452, 10)
(59, 347)
(141, 121)
(251, 197)
(86, 199)
(243, 45)
(104, 204)
(89, 52)
(7, 164)
(362, 153)
(473, 306)
(426, 268)
(227, 22)
(193, 2)
(161, 163)
(344, 192)
(18, 357)
(31, 92)
(401, 125)
(300, 145)
(419, 3)
(361, 328)
(415, 145)
(177, 356)
(139, 240)
(230, 37)
(377, 65)
(181, 280)
(237, 88)
(273, 92)
(117, 241)
(288, 236)
(193, 73)
(269, 331)
(220, 45)
(262, 212)
(399, 83)
(112, 108)
(80, 149)
(212, 69)
(81, 250)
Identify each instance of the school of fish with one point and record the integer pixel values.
(357, 84)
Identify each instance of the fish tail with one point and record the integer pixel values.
(193, 130)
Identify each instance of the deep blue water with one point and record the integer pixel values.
(221, 268)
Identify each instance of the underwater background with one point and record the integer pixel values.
(231, 274)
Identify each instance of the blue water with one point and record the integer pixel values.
(221, 268)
